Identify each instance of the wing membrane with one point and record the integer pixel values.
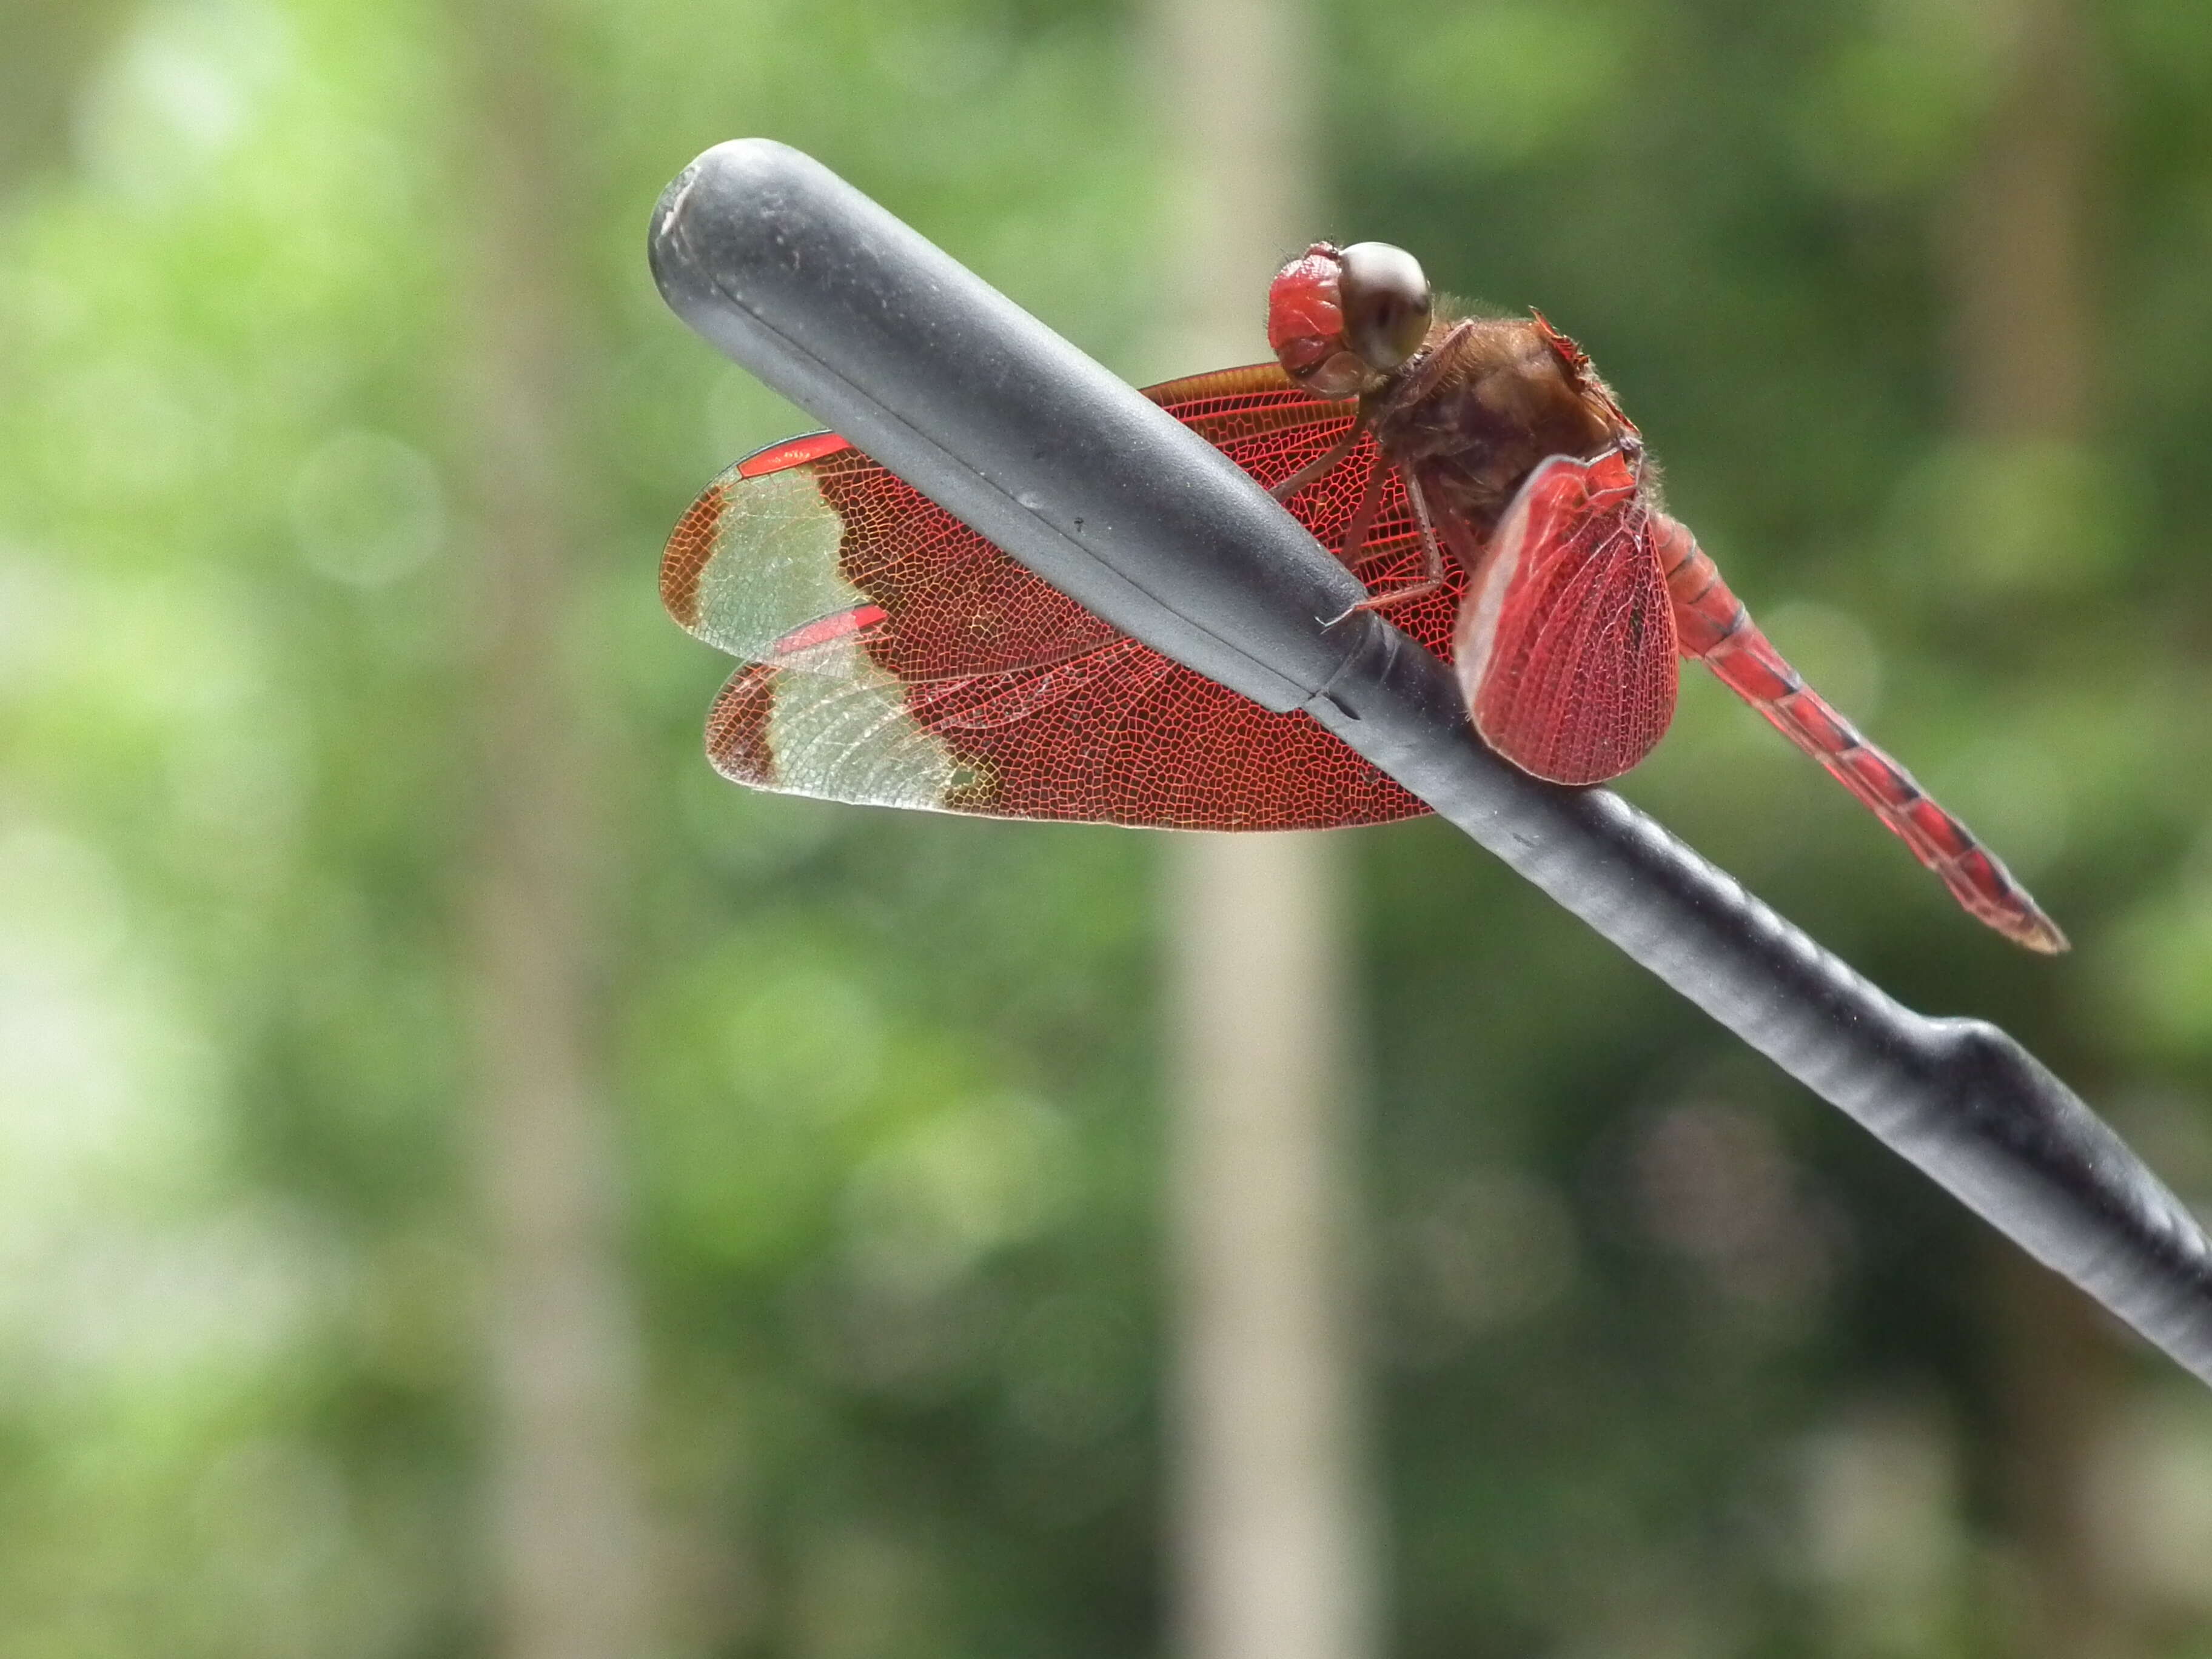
(895, 657)
(1566, 648)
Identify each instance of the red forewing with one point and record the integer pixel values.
(893, 656)
(1565, 648)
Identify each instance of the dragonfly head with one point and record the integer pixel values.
(1342, 320)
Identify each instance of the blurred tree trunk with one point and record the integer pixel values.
(2020, 236)
(565, 1508)
(2025, 352)
(47, 49)
(1272, 1542)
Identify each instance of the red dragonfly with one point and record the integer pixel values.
(1475, 473)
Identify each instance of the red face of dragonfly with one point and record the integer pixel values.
(1487, 488)
(1342, 320)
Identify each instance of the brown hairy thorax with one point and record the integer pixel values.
(1482, 403)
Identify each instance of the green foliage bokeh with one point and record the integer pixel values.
(887, 1084)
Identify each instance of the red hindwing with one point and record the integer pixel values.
(1565, 648)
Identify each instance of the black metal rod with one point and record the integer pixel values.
(854, 316)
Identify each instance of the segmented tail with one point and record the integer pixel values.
(1714, 627)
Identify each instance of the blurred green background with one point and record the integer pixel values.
(1914, 297)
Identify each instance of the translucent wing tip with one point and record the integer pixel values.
(689, 546)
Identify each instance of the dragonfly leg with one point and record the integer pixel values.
(1363, 516)
(1712, 625)
(1322, 464)
(1432, 552)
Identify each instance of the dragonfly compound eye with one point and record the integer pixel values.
(1386, 304)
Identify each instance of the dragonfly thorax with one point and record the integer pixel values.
(1485, 404)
